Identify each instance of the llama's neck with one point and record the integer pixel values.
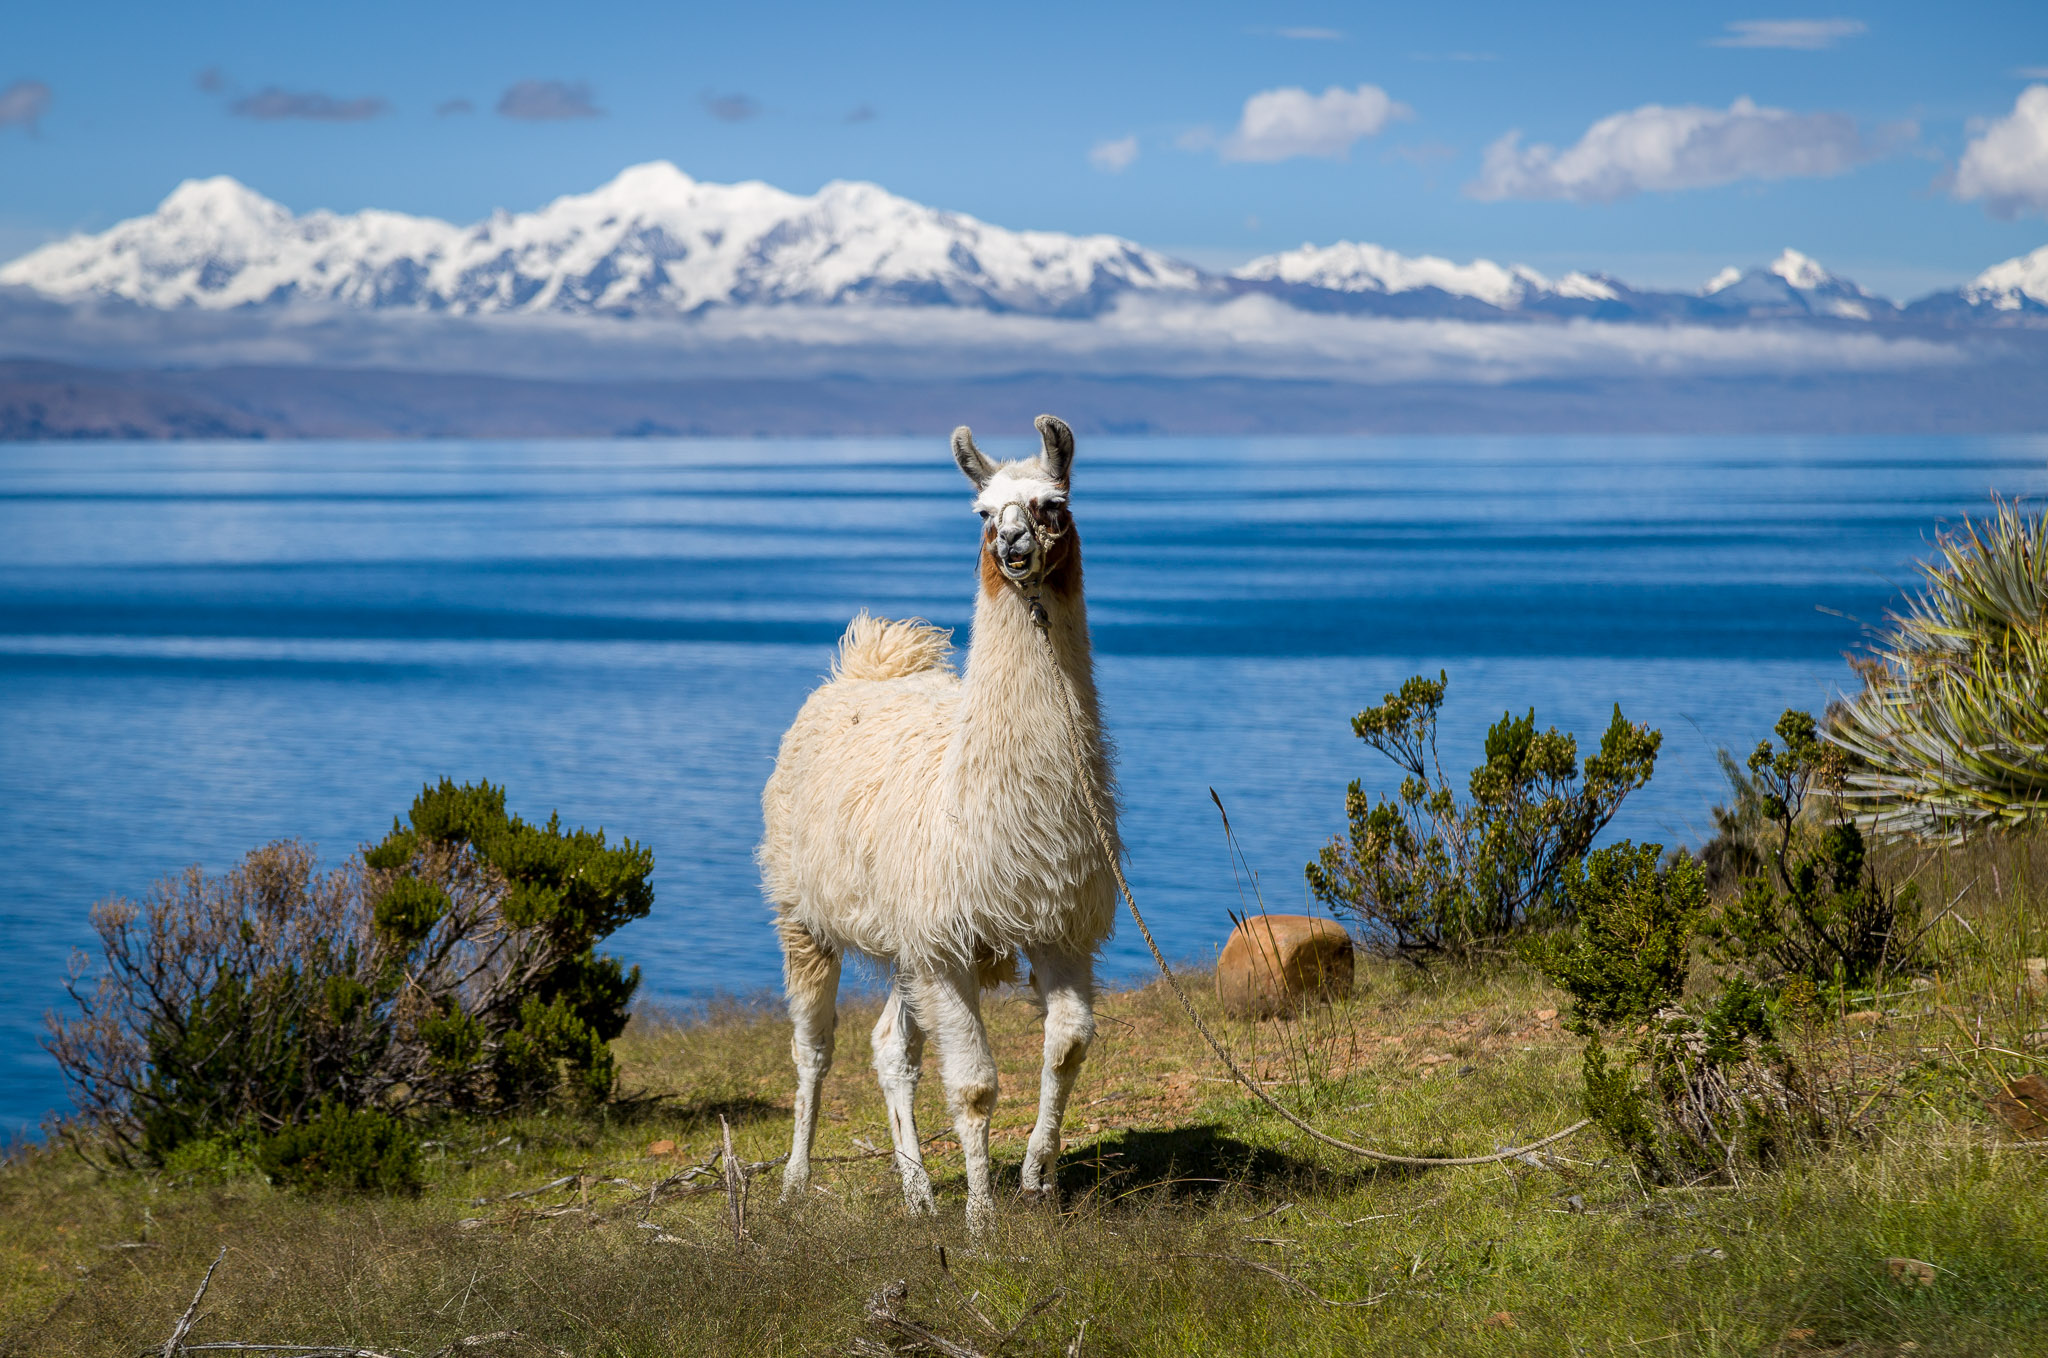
(1011, 751)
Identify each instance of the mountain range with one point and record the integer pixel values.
(653, 243)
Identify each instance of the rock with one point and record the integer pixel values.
(1274, 963)
(2023, 1106)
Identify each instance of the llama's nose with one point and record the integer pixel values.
(1013, 544)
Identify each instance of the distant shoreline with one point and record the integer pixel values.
(47, 400)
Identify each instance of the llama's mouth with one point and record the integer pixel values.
(1016, 567)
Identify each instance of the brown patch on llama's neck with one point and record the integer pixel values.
(1063, 564)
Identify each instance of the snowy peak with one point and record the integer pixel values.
(2019, 284)
(1793, 284)
(1803, 272)
(1356, 267)
(652, 241)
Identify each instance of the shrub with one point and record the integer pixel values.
(451, 967)
(1685, 1094)
(1628, 957)
(342, 1149)
(1824, 916)
(1433, 876)
(1950, 731)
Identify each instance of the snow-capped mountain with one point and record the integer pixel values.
(653, 241)
(1791, 285)
(2019, 284)
(1354, 267)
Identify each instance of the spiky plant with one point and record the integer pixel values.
(1950, 732)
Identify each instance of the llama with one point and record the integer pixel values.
(935, 821)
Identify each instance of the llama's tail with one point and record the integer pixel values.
(881, 648)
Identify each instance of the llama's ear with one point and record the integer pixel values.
(1059, 446)
(978, 468)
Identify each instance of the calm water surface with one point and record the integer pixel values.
(204, 647)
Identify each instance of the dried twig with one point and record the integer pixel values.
(184, 1325)
(732, 1185)
(301, 1350)
(881, 1310)
(565, 1180)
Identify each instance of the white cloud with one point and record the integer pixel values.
(1657, 148)
(1802, 35)
(1284, 123)
(2006, 164)
(1114, 157)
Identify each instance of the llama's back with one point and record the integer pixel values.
(856, 781)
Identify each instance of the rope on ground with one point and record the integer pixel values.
(1109, 852)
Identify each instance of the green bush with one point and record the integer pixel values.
(1627, 958)
(1432, 876)
(453, 967)
(1686, 1092)
(1824, 916)
(341, 1149)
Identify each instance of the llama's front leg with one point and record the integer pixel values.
(811, 977)
(899, 1052)
(949, 1009)
(1066, 984)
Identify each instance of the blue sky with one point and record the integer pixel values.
(995, 110)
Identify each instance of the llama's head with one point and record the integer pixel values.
(1016, 500)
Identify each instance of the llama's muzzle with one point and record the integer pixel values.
(1014, 545)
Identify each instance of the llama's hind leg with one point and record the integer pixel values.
(948, 1007)
(899, 1053)
(1066, 984)
(811, 978)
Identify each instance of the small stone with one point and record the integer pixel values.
(1911, 1272)
(1545, 1015)
(661, 1147)
(2023, 1106)
(1502, 1320)
(1273, 964)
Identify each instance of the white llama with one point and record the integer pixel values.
(935, 822)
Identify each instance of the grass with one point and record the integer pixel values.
(1191, 1221)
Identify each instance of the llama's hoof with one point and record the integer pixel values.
(981, 1216)
(1044, 1193)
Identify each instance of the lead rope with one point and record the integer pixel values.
(1074, 718)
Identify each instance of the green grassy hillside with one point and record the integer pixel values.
(1191, 1223)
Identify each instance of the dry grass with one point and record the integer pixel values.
(1191, 1223)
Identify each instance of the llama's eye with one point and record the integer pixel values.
(983, 513)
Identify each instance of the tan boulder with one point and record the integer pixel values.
(1274, 963)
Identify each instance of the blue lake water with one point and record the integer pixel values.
(207, 646)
